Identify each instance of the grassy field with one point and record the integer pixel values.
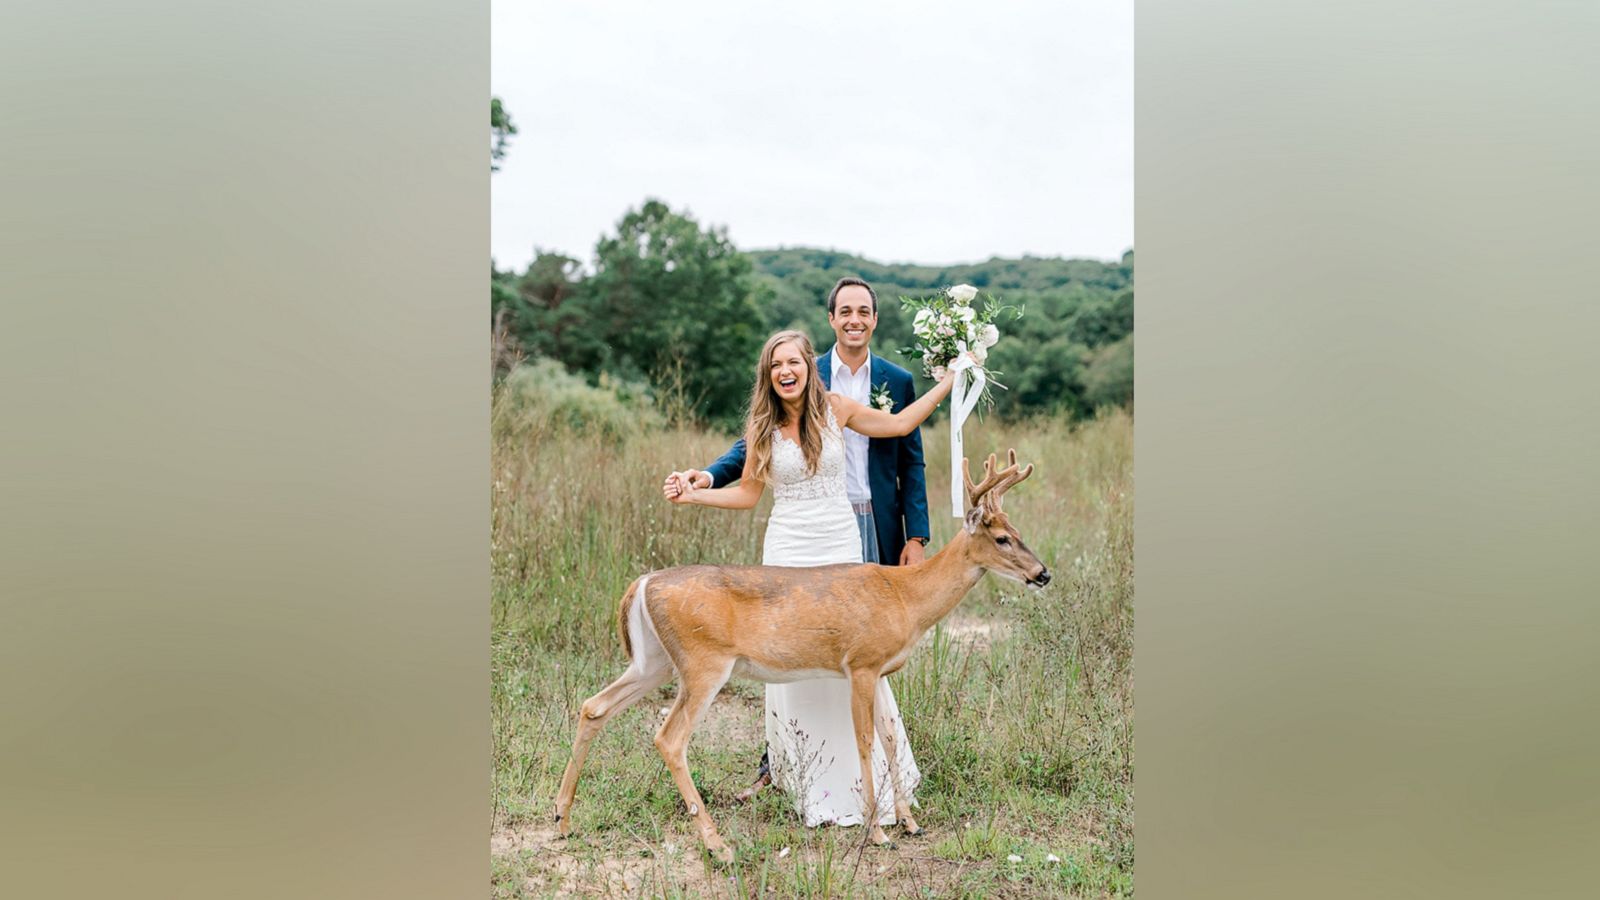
(1019, 708)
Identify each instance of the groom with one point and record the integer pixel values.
(883, 476)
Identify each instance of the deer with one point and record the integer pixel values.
(860, 622)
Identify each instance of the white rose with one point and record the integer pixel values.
(966, 313)
(923, 315)
(962, 293)
(989, 336)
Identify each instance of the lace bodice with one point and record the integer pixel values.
(791, 481)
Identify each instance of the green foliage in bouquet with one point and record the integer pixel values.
(947, 325)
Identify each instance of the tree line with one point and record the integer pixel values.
(673, 304)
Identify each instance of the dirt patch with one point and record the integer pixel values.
(547, 864)
(543, 864)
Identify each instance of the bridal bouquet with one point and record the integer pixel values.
(947, 325)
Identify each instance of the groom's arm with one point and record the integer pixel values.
(728, 467)
(913, 484)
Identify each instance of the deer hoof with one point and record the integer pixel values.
(910, 825)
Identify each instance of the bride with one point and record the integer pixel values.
(795, 441)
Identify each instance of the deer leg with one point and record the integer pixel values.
(645, 674)
(695, 693)
(891, 749)
(863, 696)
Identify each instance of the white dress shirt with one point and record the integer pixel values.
(857, 386)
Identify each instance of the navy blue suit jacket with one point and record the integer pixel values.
(894, 465)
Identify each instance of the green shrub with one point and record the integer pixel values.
(541, 397)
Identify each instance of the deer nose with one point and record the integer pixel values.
(1043, 578)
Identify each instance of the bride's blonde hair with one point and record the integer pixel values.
(767, 412)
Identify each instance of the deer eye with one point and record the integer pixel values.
(1002, 540)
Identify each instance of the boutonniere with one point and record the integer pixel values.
(881, 398)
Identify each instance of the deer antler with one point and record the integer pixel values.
(995, 483)
(977, 493)
(1010, 477)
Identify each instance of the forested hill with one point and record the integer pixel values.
(1030, 273)
(674, 304)
(1071, 352)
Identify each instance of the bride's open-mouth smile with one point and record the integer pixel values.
(787, 371)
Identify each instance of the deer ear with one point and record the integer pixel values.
(975, 517)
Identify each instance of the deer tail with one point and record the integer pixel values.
(635, 590)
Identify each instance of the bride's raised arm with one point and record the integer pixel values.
(863, 419)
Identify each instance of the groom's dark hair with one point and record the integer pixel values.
(845, 282)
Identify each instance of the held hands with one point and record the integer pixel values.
(679, 485)
(676, 488)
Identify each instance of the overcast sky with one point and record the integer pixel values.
(924, 132)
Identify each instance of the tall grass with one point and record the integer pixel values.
(1025, 737)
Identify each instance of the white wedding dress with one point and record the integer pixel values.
(810, 734)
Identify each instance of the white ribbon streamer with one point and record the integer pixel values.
(963, 398)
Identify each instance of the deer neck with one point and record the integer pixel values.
(937, 585)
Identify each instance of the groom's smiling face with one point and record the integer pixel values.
(853, 317)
